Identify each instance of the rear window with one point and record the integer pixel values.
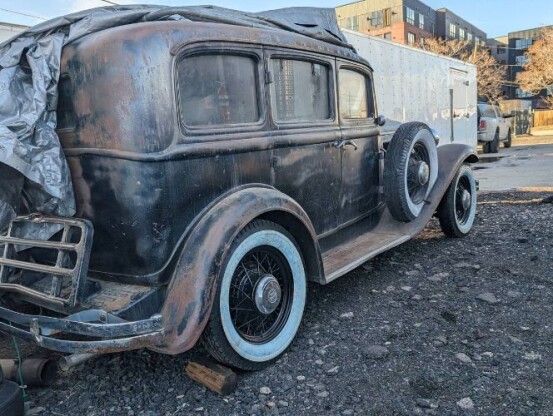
(218, 90)
(486, 111)
(300, 91)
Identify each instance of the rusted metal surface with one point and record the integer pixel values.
(191, 291)
(74, 273)
(34, 371)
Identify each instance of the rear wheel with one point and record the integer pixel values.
(458, 207)
(486, 147)
(509, 140)
(260, 299)
(494, 144)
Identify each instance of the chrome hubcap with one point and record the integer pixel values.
(465, 199)
(267, 294)
(423, 173)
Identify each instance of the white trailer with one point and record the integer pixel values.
(416, 85)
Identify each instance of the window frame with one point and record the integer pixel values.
(369, 78)
(453, 30)
(407, 13)
(409, 35)
(221, 48)
(273, 53)
(421, 21)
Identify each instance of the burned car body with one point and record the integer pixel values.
(216, 169)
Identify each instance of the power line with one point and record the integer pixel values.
(111, 2)
(23, 14)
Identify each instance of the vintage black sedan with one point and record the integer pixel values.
(218, 169)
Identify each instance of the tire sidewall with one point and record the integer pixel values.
(268, 351)
(466, 172)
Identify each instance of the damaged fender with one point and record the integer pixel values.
(194, 282)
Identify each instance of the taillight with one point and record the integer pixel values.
(483, 125)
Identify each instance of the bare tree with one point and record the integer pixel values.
(490, 74)
(538, 70)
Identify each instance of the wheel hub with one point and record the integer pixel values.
(423, 173)
(466, 199)
(267, 294)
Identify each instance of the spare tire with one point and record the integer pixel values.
(11, 402)
(410, 171)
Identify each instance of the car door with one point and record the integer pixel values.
(306, 164)
(359, 144)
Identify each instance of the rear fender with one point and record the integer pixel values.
(194, 282)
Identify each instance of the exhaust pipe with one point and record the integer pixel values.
(68, 361)
(35, 371)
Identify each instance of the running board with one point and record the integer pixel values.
(347, 257)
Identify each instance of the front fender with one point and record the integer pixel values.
(194, 282)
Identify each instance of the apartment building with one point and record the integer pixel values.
(405, 21)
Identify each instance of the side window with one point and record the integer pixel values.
(218, 90)
(300, 91)
(356, 98)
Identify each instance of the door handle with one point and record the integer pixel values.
(340, 144)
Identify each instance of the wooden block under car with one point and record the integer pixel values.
(214, 376)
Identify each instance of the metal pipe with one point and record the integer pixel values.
(68, 361)
(34, 371)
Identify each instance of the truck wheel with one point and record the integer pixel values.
(458, 207)
(494, 144)
(11, 402)
(509, 140)
(260, 299)
(486, 147)
(410, 171)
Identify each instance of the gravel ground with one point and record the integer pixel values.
(435, 326)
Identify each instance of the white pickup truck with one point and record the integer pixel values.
(493, 127)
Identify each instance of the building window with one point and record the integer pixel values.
(410, 15)
(477, 40)
(218, 89)
(452, 31)
(388, 35)
(411, 38)
(501, 50)
(421, 21)
(376, 18)
(469, 37)
(522, 94)
(523, 44)
(521, 60)
(387, 17)
(461, 33)
(300, 91)
(433, 28)
(355, 101)
(421, 41)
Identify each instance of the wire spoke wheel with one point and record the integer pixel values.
(418, 173)
(260, 298)
(458, 207)
(260, 294)
(463, 201)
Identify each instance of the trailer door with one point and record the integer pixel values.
(458, 95)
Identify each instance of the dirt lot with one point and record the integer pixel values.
(436, 326)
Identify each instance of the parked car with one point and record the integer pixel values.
(493, 127)
(218, 169)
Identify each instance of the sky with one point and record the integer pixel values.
(495, 17)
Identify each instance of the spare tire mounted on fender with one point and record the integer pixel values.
(410, 170)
